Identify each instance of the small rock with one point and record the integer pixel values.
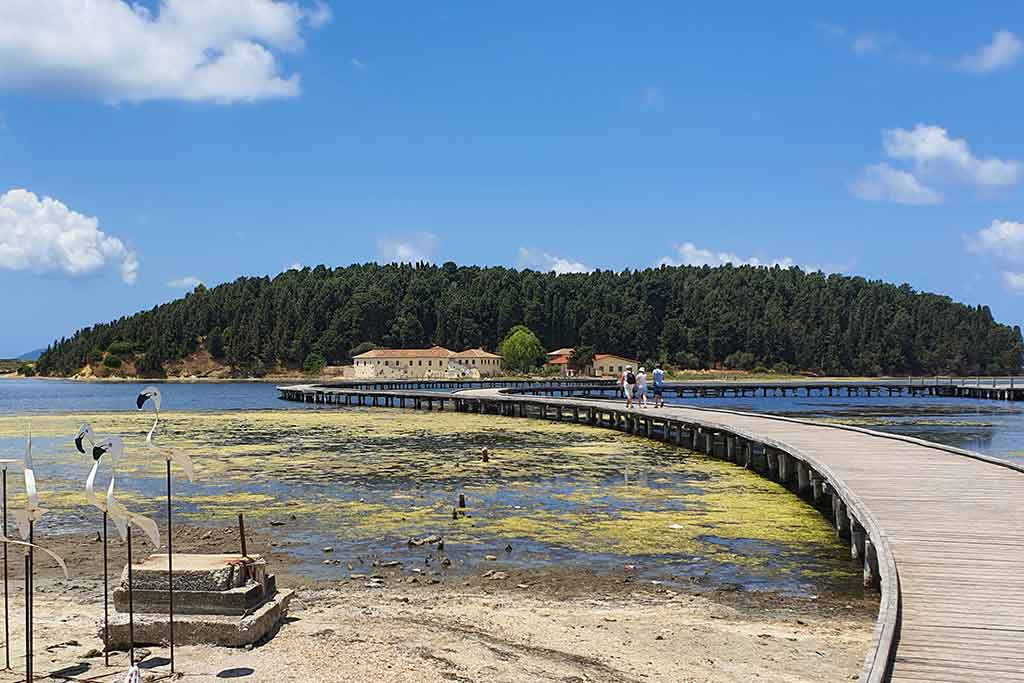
(91, 653)
(522, 585)
(508, 548)
(490, 558)
(276, 522)
(446, 562)
(391, 563)
(499, 576)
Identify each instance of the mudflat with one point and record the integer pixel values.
(490, 623)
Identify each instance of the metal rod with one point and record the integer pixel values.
(28, 621)
(131, 606)
(170, 567)
(7, 615)
(241, 533)
(30, 582)
(106, 598)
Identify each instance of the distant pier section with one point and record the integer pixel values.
(987, 388)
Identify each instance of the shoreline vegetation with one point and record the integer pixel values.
(685, 376)
(750, 319)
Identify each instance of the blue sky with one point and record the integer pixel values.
(192, 140)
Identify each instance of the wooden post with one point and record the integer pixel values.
(819, 490)
(773, 464)
(709, 443)
(871, 578)
(841, 517)
(730, 448)
(857, 539)
(803, 478)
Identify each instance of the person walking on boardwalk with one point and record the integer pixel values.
(659, 389)
(641, 388)
(627, 382)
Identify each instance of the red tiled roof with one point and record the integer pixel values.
(561, 352)
(475, 353)
(435, 352)
(602, 356)
(558, 360)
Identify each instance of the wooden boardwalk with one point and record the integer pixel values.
(939, 530)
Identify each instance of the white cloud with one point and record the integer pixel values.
(689, 254)
(293, 266)
(188, 282)
(933, 152)
(357, 64)
(1003, 52)
(1014, 282)
(197, 50)
(883, 183)
(412, 249)
(546, 263)
(869, 44)
(1003, 239)
(45, 236)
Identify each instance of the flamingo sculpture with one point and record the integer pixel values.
(153, 396)
(124, 521)
(4, 462)
(85, 434)
(26, 519)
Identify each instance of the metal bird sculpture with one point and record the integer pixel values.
(4, 463)
(124, 519)
(153, 396)
(27, 518)
(85, 434)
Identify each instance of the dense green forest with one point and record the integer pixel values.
(741, 317)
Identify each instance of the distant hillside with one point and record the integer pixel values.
(32, 355)
(741, 317)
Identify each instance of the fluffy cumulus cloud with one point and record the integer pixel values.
(43, 235)
(1014, 282)
(547, 263)
(188, 282)
(933, 153)
(1003, 239)
(883, 183)
(410, 249)
(1003, 52)
(197, 50)
(929, 153)
(689, 254)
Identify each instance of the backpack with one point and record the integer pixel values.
(630, 378)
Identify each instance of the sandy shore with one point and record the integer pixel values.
(564, 625)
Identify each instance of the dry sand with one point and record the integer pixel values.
(566, 626)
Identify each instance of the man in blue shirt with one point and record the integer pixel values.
(659, 381)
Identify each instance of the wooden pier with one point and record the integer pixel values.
(987, 388)
(938, 530)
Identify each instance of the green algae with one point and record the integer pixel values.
(378, 477)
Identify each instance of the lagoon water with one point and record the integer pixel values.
(365, 481)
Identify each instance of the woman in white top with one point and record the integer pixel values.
(641, 388)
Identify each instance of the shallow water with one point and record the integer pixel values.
(365, 481)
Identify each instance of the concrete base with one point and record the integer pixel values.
(206, 629)
(234, 601)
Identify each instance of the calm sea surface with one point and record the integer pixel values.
(991, 427)
(365, 481)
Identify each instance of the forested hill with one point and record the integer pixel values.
(689, 316)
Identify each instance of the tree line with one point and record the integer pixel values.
(689, 317)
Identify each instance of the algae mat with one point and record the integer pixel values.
(364, 482)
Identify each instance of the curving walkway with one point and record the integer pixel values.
(939, 530)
